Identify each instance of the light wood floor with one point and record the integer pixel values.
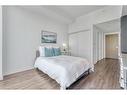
(106, 76)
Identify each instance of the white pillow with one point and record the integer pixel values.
(42, 50)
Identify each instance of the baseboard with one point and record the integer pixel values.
(1, 77)
(17, 71)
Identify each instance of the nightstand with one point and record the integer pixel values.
(65, 53)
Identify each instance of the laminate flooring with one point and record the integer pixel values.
(105, 76)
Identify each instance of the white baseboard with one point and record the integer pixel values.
(16, 71)
(1, 77)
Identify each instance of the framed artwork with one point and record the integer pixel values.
(48, 37)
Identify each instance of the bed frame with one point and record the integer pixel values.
(86, 73)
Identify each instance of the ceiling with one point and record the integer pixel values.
(65, 14)
(73, 11)
(110, 26)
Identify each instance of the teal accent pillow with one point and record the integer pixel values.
(48, 52)
(56, 51)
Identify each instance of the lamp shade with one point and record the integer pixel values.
(64, 45)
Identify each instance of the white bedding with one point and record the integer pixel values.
(64, 69)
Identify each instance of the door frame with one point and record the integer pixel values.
(110, 33)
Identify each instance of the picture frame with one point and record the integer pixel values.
(48, 37)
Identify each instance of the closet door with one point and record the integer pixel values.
(84, 44)
(73, 44)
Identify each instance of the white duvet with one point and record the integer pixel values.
(64, 69)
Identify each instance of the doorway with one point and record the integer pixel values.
(111, 46)
(102, 49)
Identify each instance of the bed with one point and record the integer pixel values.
(64, 69)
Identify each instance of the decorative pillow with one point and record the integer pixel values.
(42, 51)
(48, 52)
(56, 51)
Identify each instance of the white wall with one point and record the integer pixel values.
(22, 36)
(1, 76)
(101, 45)
(95, 44)
(86, 22)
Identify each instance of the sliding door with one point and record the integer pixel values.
(84, 44)
(80, 44)
(73, 44)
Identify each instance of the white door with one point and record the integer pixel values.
(84, 44)
(73, 44)
(80, 44)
